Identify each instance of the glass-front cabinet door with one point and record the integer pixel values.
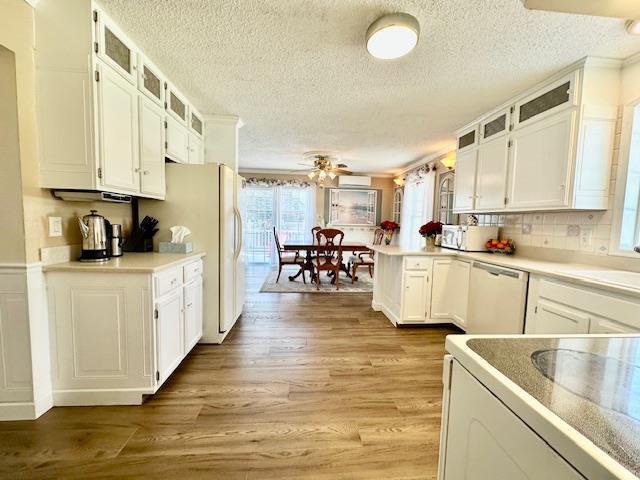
(114, 48)
(196, 123)
(554, 98)
(175, 104)
(150, 80)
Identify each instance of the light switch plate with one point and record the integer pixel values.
(55, 226)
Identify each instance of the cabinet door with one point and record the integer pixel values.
(150, 81)
(440, 290)
(196, 153)
(177, 141)
(468, 139)
(114, 48)
(152, 181)
(606, 325)
(459, 276)
(555, 318)
(540, 163)
(465, 185)
(196, 123)
(547, 102)
(117, 131)
(415, 305)
(169, 335)
(485, 440)
(192, 314)
(493, 160)
(176, 106)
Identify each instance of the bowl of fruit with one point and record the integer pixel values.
(505, 246)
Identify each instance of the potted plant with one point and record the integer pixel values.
(389, 226)
(429, 231)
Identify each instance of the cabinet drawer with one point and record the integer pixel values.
(168, 280)
(192, 270)
(417, 263)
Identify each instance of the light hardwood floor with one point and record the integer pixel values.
(306, 386)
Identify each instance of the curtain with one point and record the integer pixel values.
(417, 209)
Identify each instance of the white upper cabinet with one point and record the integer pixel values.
(150, 80)
(175, 105)
(466, 166)
(554, 98)
(548, 149)
(114, 48)
(94, 129)
(177, 141)
(493, 162)
(118, 131)
(540, 159)
(152, 175)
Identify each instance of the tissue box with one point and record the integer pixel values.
(168, 247)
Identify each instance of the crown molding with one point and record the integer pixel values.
(223, 120)
(635, 58)
(428, 159)
(32, 2)
(303, 172)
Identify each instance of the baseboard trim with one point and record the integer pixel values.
(85, 398)
(17, 411)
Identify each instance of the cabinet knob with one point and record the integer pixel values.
(137, 170)
(145, 172)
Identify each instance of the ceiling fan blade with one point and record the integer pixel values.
(306, 164)
(341, 171)
(341, 165)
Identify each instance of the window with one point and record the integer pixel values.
(290, 209)
(397, 204)
(628, 192)
(417, 209)
(445, 200)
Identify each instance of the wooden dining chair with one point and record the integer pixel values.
(365, 259)
(287, 258)
(329, 258)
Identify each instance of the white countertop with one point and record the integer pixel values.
(619, 281)
(130, 262)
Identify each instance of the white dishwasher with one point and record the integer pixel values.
(497, 299)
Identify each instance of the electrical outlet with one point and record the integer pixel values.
(55, 226)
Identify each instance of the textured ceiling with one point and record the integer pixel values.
(298, 74)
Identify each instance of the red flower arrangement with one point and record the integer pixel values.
(389, 225)
(430, 229)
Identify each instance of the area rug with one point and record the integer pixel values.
(363, 285)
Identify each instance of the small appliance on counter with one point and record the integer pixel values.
(95, 239)
(468, 238)
(116, 240)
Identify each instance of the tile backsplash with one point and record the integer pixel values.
(586, 232)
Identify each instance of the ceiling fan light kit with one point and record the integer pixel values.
(393, 36)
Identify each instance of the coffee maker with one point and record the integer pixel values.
(95, 238)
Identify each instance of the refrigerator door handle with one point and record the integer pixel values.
(238, 233)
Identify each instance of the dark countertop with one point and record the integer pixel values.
(592, 384)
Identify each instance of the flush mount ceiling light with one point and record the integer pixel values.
(392, 36)
(633, 27)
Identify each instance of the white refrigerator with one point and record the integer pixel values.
(232, 264)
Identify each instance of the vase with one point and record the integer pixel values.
(429, 244)
(388, 235)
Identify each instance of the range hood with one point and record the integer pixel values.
(91, 196)
(627, 9)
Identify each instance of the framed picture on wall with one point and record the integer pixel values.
(353, 207)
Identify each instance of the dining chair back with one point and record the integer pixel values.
(314, 230)
(287, 258)
(330, 257)
(365, 259)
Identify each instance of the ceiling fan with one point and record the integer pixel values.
(323, 166)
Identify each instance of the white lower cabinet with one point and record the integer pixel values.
(450, 290)
(482, 439)
(169, 334)
(415, 296)
(558, 307)
(117, 336)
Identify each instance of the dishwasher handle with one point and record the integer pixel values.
(496, 270)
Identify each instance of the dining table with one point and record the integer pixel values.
(311, 248)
